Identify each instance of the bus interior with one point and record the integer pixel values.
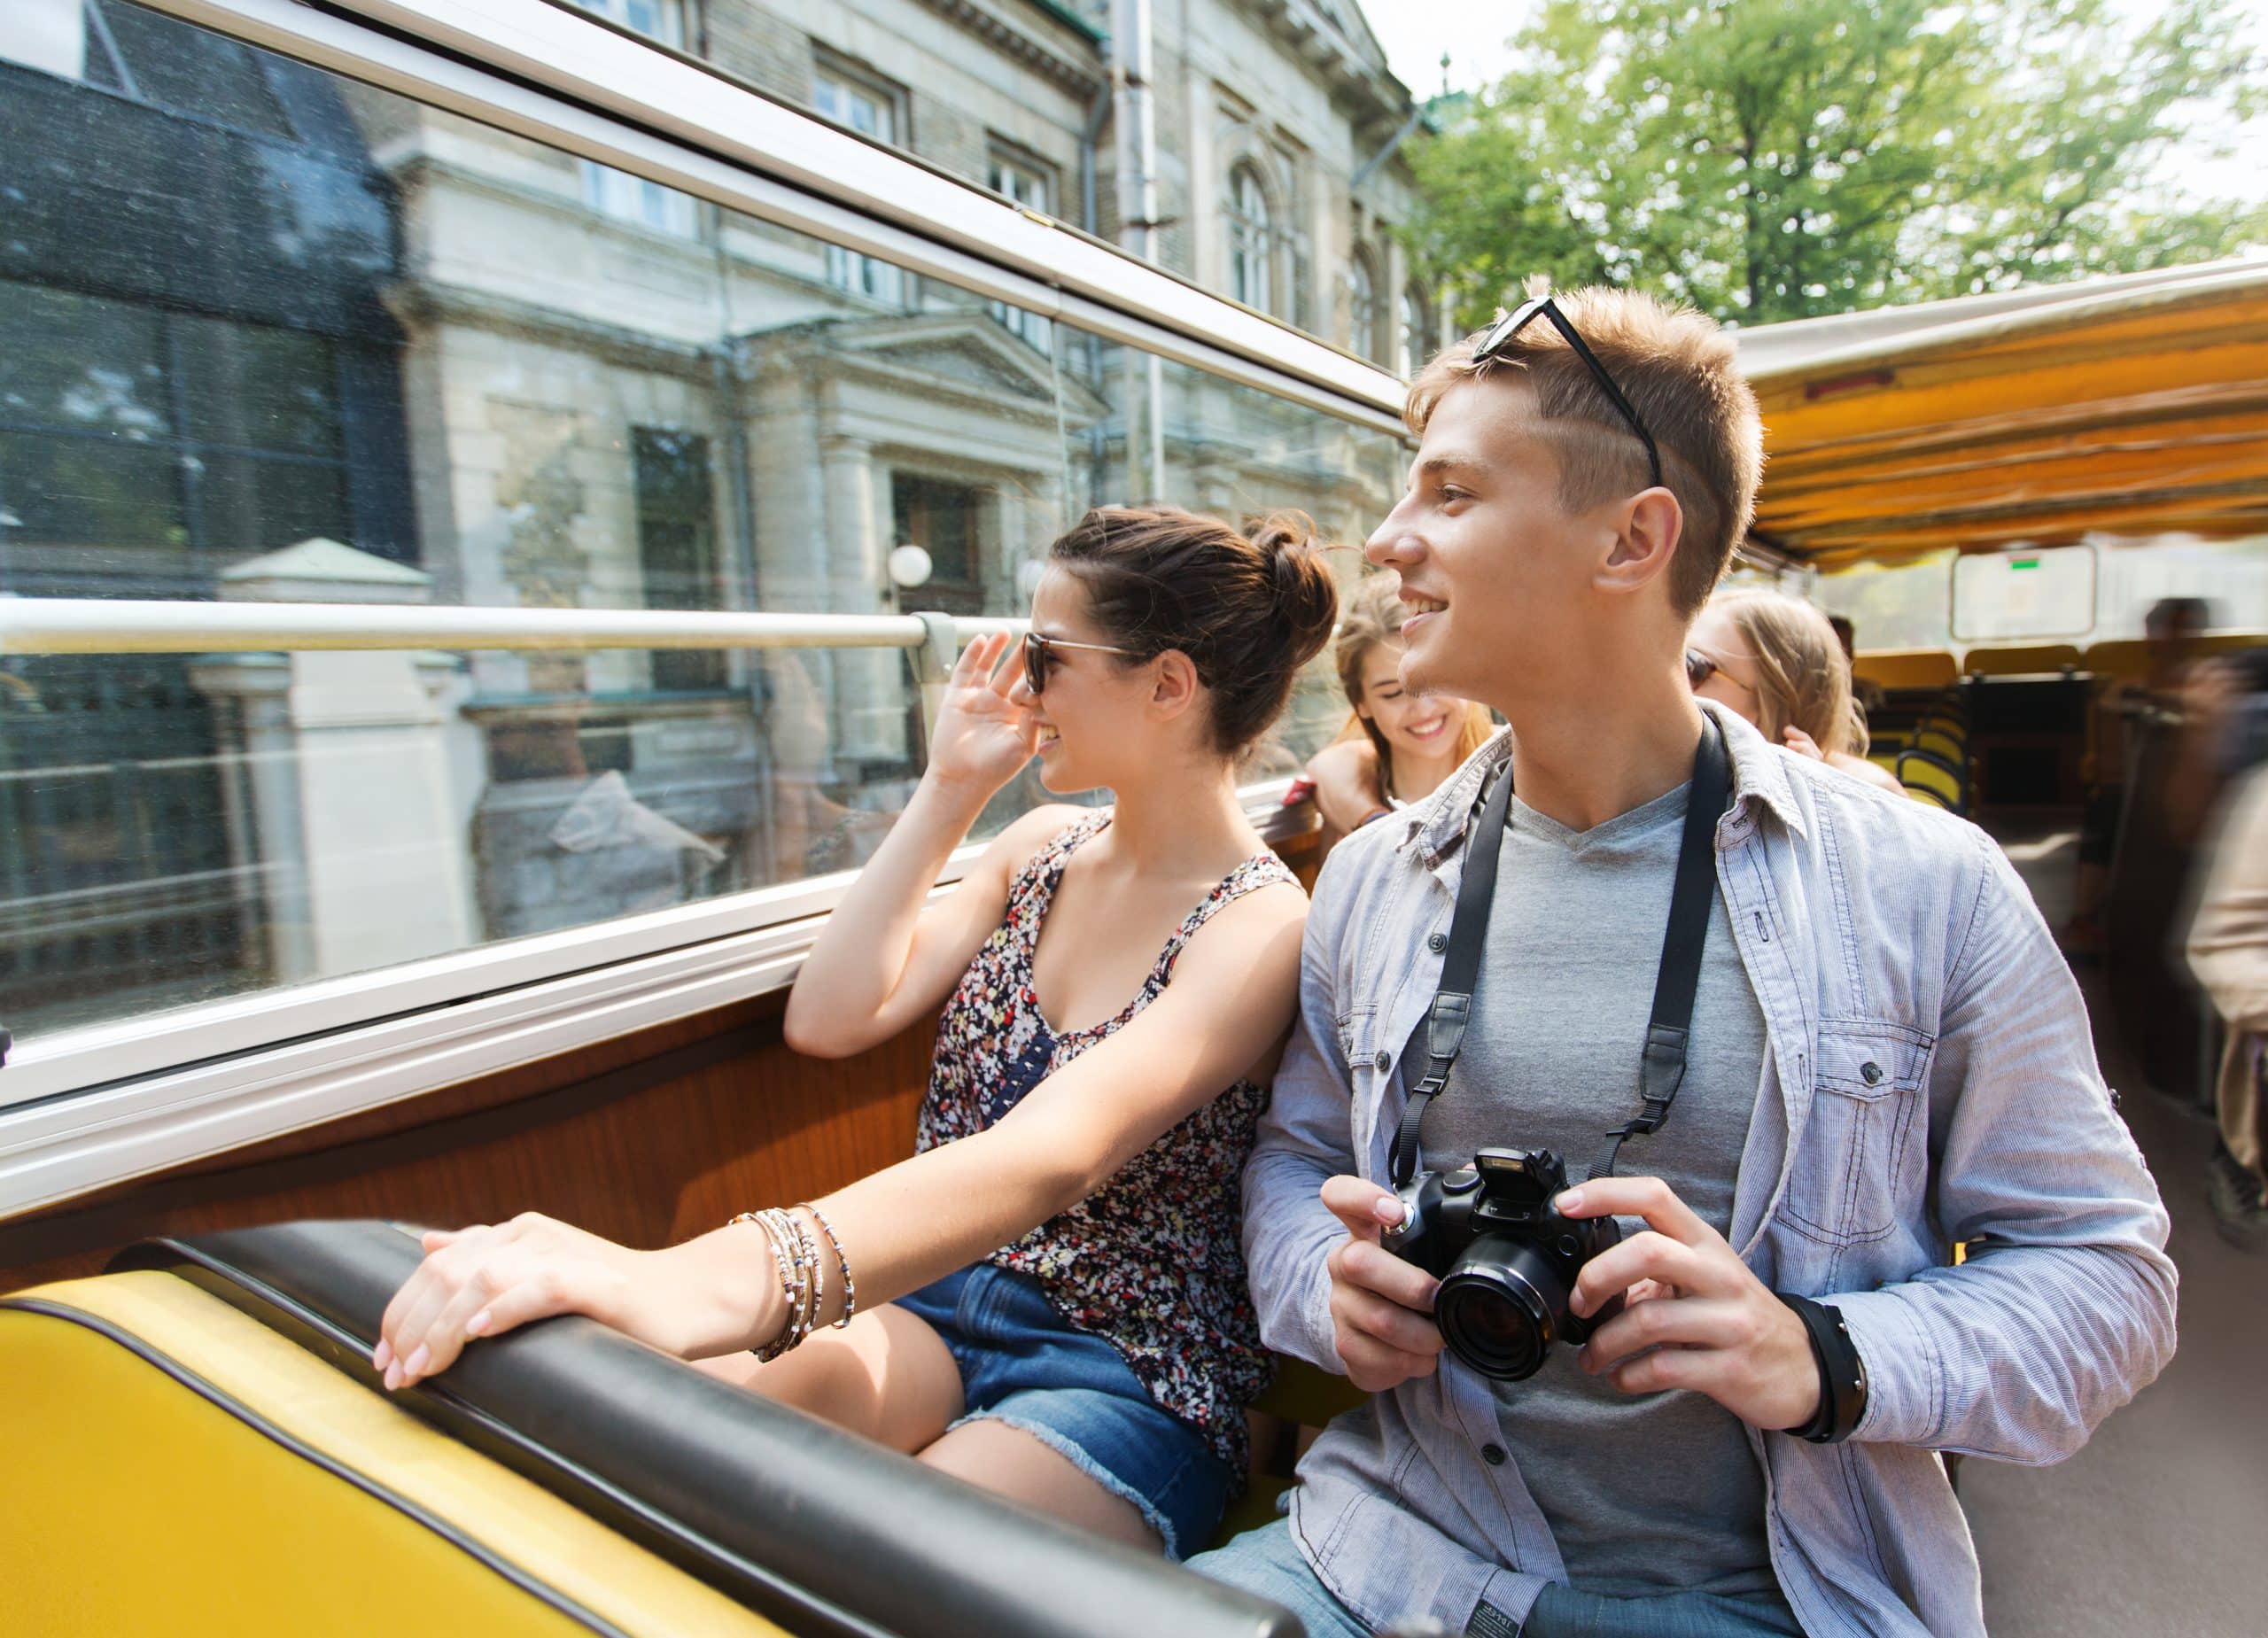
(373, 880)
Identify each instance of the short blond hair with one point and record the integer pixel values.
(1677, 368)
(1801, 676)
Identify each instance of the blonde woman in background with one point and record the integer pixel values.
(1398, 746)
(1776, 660)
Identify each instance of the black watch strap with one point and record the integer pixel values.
(1841, 1375)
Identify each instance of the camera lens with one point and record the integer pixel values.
(1500, 1308)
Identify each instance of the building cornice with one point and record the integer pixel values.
(1082, 79)
(1352, 75)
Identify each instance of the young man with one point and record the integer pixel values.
(1886, 1056)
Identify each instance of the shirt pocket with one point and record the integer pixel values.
(1859, 1168)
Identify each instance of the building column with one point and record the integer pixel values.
(870, 698)
(349, 809)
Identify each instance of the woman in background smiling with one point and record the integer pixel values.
(1398, 746)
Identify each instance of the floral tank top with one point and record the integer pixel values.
(1151, 1262)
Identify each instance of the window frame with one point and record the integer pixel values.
(621, 198)
(83, 1108)
(1001, 158)
(1405, 353)
(1363, 301)
(1252, 238)
(870, 278)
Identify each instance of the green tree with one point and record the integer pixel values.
(1777, 158)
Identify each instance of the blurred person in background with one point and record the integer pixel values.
(2167, 733)
(2121, 718)
(1398, 746)
(1775, 659)
(2228, 952)
(1867, 695)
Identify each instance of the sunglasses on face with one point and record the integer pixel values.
(1699, 668)
(1500, 336)
(1036, 647)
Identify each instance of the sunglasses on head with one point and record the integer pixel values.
(1500, 336)
(1036, 647)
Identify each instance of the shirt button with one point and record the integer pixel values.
(1438, 943)
(1871, 1073)
(1383, 1062)
(1493, 1455)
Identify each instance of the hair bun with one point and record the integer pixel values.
(1307, 594)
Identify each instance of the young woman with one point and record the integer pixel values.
(1398, 746)
(1049, 1297)
(1775, 661)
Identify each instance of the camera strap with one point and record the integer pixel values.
(1441, 1032)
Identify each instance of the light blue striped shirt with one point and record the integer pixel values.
(1930, 1079)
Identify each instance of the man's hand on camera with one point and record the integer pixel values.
(1696, 1318)
(1381, 1307)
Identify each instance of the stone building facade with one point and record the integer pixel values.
(559, 385)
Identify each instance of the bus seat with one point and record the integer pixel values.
(1303, 1394)
(1907, 668)
(199, 1429)
(2129, 658)
(1931, 779)
(2027, 660)
(1941, 741)
(1305, 1397)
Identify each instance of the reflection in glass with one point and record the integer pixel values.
(353, 349)
(1237, 453)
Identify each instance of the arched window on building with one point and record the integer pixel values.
(1417, 332)
(1362, 303)
(1251, 240)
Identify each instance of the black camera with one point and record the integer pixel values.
(1505, 1257)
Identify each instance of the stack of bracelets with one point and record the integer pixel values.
(803, 1272)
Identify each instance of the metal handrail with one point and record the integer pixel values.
(121, 626)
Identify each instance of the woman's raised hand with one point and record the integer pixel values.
(1801, 743)
(983, 734)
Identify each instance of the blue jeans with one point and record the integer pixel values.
(1023, 1363)
(1268, 1562)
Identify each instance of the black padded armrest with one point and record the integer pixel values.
(818, 1528)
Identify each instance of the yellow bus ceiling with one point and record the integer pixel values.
(2133, 405)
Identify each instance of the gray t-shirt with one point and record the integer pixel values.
(1658, 1492)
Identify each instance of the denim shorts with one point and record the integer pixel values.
(1022, 1363)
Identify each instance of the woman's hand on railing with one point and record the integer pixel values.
(700, 1298)
(984, 733)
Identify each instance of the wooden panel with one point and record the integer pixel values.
(648, 1152)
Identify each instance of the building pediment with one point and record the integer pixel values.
(952, 355)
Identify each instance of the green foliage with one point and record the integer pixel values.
(1776, 159)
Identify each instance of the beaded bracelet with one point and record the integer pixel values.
(796, 1271)
(850, 1289)
(803, 1273)
(815, 1294)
